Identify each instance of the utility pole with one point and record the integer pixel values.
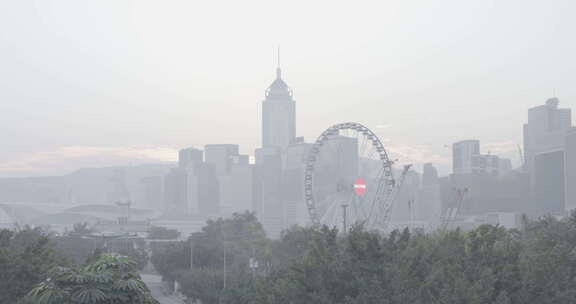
(191, 254)
(411, 213)
(253, 262)
(344, 206)
(224, 260)
(224, 251)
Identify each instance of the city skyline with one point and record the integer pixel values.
(110, 156)
(109, 106)
(297, 151)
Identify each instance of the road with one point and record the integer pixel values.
(154, 282)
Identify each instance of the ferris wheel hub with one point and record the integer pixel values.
(348, 166)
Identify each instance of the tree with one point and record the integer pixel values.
(221, 253)
(26, 255)
(488, 264)
(81, 229)
(224, 243)
(111, 279)
(171, 259)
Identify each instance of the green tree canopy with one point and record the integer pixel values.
(489, 264)
(111, 279)
(26, 255)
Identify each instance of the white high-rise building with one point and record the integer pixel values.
(570, 171)
(466, 159)
(278, 114)
(545, 131)
(221, 156)
(544, 155)
(463, 153)
(274, 209)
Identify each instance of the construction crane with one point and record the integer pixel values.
(389, 203)
(451, 213)
(411, 214)
(521, 155)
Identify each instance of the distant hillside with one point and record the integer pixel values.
(31, 190)
(84, 186)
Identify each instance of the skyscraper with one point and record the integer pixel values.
(570, 171)
(278, 114)
(544, 154)
(189, 157)
(235, 177)
(429, 206)
(545, 130)
(221, 156)
(462, 154)
(466, 159)
(268, 203)
(548, 183)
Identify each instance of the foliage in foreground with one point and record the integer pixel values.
(26, 255)
(110, 279)
(490, 264)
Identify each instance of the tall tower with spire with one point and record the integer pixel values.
(278, 113)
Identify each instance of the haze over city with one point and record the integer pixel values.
(287, 152)
(92, 84)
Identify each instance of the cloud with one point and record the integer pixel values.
(383, 126)
(417, 154)
(69, 158)
(500, 148)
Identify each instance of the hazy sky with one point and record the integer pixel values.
(95, 83)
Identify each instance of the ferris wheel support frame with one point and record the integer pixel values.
(390, 189)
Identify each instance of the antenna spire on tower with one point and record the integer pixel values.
(278, 70)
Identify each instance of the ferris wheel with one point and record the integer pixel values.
(349, 178)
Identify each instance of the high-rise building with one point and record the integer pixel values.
(544, 155)
(486, 164)
(548, 183)
(295, 211)
(466, 159)
(272, 205)
(491, 185)
(237, 187)
(462, 154)
(235, 177)
(268, 203)
(189, 157)
(221, 156)
(193, 188)
(175, 192)
(241, 188)
(545, 130)
(429, 206)
(208, 191)
(278, 114)
(570, 171)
